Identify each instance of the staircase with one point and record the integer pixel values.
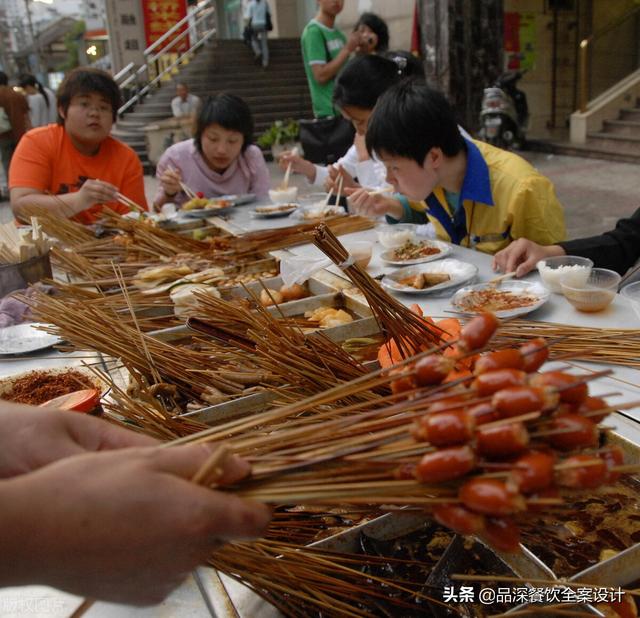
(275, 93)
(621, 136)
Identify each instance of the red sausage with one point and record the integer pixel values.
(534, 354)
(475, 334)
(445, 464)
(450, 403)
(533, 471)
(484, 413)
(433, 369)
(517, 400)
(491, 497)
(573, 431)
(405, 472)
(502, 534)
(401, 385)
(445, 428)
(458, 519)
(502, 441)
(588, 476)
(591, 404)
(500, 359)
(494, 381)
(569, 391)
(612, 456)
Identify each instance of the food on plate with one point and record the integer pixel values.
(322, 210)
(37, 387)
(494, 299)
(148, 278)
(327, 317)
(414, 251)
(198, 203)
(424, 280)
(269, 210)
(293, 292)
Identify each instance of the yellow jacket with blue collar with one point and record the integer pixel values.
(503, 198)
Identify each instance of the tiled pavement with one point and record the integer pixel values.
(594, 192)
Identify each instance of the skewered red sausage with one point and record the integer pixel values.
(476, 333)
(502, 533)
(405, 471)
(491, 497)
(445, 464)
(613, 456)
(450, 403)
(500, 359)
(569, 391)
(502, 440)
(484, 413)
(433, 369)
(534, 354)
(591, 404)
(590, 472)
(403, 384)
(517, 400)
(458, 519)
(533, 471)
(445, 428)
(494, 381)
(549, 492)
(573, 431)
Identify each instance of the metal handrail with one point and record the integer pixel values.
(202, 12)
(585, 45)
(136, 97)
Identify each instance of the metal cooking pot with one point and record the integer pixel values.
(19, 276)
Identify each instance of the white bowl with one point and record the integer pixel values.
(283, 196)
(632, 292)
(395, 235)
(553, 269)
(360, 250)
(595, 294)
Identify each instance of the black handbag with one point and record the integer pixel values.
(269, 24)
(325, 140)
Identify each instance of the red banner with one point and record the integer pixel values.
(160, 16)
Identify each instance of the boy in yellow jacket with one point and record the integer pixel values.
(475, 195)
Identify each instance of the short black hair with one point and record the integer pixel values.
(410, 119)
(364, 78)
(85, 80)
(4, 80)
(379, 26)
(230, 112)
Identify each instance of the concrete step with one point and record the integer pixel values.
(632, 113)
(622, 127)
(614, 143)
(588, 151)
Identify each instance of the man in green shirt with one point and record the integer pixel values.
(324, 51)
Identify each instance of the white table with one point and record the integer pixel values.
(186, 601)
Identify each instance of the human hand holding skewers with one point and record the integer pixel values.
(292, 159)
(170, 180)
(92, 192)
(125, 526)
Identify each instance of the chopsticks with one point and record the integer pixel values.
(190, 193)
(123, 199)
(501, 278)
(634, 271)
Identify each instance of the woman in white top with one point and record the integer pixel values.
(356, 92)
(43, 108)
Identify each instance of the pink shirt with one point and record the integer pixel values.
(247, 174)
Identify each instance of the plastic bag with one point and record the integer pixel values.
(297, 269)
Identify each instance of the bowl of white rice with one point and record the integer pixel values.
(574, 269)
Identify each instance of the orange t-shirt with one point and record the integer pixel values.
(46, 160)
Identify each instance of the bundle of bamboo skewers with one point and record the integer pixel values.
(17, 246)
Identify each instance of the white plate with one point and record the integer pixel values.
(459, 273)
(273, 214)
(25, 338)
(517, 287)
(445, 249)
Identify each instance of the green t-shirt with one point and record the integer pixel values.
(316, 40)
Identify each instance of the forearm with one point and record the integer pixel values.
(66, 205)
(329, 70)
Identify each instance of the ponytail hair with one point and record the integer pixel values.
(365, 78)
(30, 80)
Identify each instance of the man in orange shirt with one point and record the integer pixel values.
(75, 167)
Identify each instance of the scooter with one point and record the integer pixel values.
(505, 114)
